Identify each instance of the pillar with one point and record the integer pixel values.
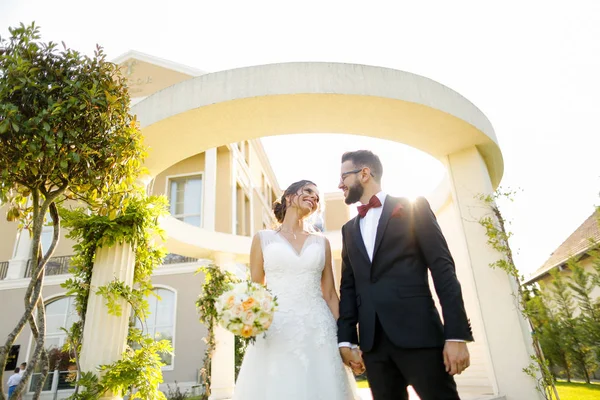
(223, 360)
(210, 189)
(105, 335)
(496, 316)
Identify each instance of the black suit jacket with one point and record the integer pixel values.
(394, 287)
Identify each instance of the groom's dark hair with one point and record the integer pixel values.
(365, 158)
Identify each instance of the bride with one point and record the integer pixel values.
(298, 359)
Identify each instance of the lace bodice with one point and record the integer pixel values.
(293, 276)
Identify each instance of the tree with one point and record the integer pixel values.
(572, 330)
(582, 284)
(65, 133)
(547, 330)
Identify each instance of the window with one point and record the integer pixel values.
(242, 218)
(185, 196)
(244, 148)
(46, 238)
(160, 323)
(60, 314)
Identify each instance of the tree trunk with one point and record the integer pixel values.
(33, 296)
(567, 367)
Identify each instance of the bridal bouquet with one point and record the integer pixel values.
(246, 309)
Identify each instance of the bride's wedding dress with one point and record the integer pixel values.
(299, 357)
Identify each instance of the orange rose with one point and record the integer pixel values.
(248, 303)
(247, 331)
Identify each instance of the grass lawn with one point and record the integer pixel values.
(362, 384)
(578, 391)
(567, 391)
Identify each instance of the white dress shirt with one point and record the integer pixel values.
(369, 224)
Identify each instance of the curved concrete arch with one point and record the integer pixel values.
(252, 102)
(246, 103)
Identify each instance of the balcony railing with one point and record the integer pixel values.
(173, 258)
(60, 265)
(3, 269)
(54, 266)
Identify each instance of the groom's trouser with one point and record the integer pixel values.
(390, 369)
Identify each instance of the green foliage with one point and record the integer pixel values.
(135, 224)
(139, 369)
(64, 122)
(241, 345)
(573, 330)
(216, 282)
(116, 291)
(544, 380)
(65, 133)
(547, 331)
(176, 393)
(582, 284)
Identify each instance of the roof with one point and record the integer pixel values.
(580, 241)
(184, 69)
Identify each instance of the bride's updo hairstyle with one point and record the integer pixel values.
(280, 206)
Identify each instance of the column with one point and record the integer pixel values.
(506, 332)
(18, 264)
(105, 335)
(210, 189)
(223, 360)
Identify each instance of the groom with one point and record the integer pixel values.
(387, 250)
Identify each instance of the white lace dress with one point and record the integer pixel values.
(299, 358)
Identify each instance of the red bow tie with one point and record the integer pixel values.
(373, 203)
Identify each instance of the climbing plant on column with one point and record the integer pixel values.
(65, 133)
(138, 372)
(498, 238)
(216, 282)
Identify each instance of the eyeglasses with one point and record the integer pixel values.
(356, 171)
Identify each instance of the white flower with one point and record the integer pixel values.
(248, 317)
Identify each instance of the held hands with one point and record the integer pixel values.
(353, 359)
(456, 357)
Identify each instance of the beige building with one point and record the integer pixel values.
(236, 178)
(577, 246)
(204, 135)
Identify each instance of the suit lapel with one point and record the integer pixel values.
(388, 207)
(358, 239)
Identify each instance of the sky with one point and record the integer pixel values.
(530, 66)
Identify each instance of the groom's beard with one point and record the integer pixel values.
(355, 192)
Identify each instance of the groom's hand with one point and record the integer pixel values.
(353, 359)
(456, 357)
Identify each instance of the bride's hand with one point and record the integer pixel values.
(353, 359)
(358, 367)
